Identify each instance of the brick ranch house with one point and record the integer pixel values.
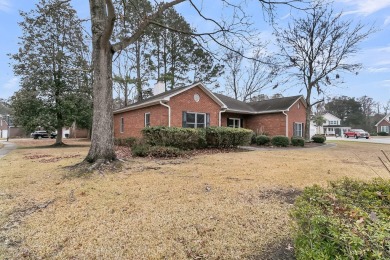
(383, 125)
(195, 106)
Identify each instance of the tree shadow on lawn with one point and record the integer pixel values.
(54, 146)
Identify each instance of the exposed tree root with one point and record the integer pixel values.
(101, 166)
(59, 145)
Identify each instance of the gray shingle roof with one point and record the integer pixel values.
(276, 104)
(270, 105)
(234, 104)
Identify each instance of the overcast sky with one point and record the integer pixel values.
(373, 80)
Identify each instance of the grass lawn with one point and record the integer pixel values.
(227, 205)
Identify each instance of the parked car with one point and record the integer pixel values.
(357, 133)
(40, 134)
(43, 134)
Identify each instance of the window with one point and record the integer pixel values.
(195, 120)
(122, 125)
(234, 122)
(385, 128)
(147, 119)
(298, 129)
(333, 122)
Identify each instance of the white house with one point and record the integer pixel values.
(332, 126)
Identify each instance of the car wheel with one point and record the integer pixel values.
(356, 137)
(347, 136)
(366, 137)
(39, 137)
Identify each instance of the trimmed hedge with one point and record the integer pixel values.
(383, 134)
(319, 139)
(297, 141)
(280, 140)
(262, 140)
(225, 137)
(182, 138)
(347, 220)
(129, 141)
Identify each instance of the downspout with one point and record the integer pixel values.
(220, 117)
(169, 112)
(284, 112)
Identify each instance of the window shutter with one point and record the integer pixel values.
(184, 120)
(207, 119)
(242, 122)
(294, 129)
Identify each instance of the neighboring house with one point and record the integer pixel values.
(12, 131)
(195, 106)
(3, 127)
(384, 124)
(333, 126)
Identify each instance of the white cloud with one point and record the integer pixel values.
(5, 5)
(378, 70)
(387, 21)
(12, 83)
(364, 7)
(385, 83)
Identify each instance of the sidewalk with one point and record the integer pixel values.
(8, 147)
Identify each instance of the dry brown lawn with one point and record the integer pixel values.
(225, 206)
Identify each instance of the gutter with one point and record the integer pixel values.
(220, 117)
(284, 112)
(169, 112)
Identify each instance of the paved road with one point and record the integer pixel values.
(8, 147)
(373, 139)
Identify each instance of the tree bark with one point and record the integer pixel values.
(102, 139)
(59, 136)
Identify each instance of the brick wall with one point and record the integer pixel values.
(296, 114)
(271, 124)
(134, 120)
(383, 123)
(185, 102)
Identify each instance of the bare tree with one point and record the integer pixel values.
(103, 16)
(246, 78)
(315, 50)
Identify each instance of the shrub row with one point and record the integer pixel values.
(143, 150)
(182, 138)
(279, 140)
(189, 138)
(129, 141)
(347, 220)
(383, 134)
(226, 137)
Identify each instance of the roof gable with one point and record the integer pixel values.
(330, 117)
(385, 118)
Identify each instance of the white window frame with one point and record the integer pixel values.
(148, 113)
(385, 128)
(122, 125)
(196, 119)
(300, 131)
(235, 119)
(333, 122)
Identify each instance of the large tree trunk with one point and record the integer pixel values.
(102, 143)
(59, 136)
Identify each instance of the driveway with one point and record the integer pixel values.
(373, 139)
(8, 147)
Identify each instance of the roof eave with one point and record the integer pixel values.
(147, 104)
